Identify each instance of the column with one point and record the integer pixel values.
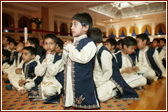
(117, 31)
(128, 33)
(153, 29)
(51, 19)
(45, 19)
(140, 28)
(107, 32)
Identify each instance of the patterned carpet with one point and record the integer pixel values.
(13, 100)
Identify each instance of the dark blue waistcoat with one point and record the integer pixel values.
(15, 57)
(83, 86)
(150, 60)
(35, 92)
(132, 58)
(30, 73)
(125, 91)
(159, 49)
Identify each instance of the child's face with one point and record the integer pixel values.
(11, 46)
(19, 47)
(155, 44)
(4, 41)
(27, 44)
(26, 56)
(77, 29)
(129, 49)
(49, 45)
(141, 44)
(108, 46)
(120, 46)
(161, 43)
(57, 50)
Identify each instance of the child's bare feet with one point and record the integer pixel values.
(23, 91)
(5, 77)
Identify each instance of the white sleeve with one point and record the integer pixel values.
(84, 56)
(106, 61)
(161, 54)
(40, 68)
(159, 63)
(54, 68)
(64, 56)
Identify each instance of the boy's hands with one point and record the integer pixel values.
(135, 68)
(18, 71)
(5, 76)
(66, 43)
(23, 91)
(21, 82)
(128, 70)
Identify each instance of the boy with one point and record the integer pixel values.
(34, 42)
(126, 62)
(48, 82)
(79, 57)
(111, 45)
(12, 48)
(149, 63)
(27, 73)
(107, 77)
(156, 44)
(6, 41)
(5, 60)
(17, 64)
(163, 46)
(59, 49)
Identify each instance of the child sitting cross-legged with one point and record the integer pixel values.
(127, 63)
(28, 55)
(48, 83)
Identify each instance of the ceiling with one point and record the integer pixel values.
(103, 13)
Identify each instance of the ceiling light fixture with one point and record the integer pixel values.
(111, 20)
(136, 16)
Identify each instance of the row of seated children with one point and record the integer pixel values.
(87, 79)
(23, 72)
(160, 46)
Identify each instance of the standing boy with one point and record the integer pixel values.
(79, 56)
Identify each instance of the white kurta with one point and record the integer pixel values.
(71, 53)
(49, 85)
(102, 76)
(14, 77)
(133, 79)
(144, 66)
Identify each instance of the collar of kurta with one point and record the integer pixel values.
(99, 46)
(145, 49)
(6, 47)
(124, 54)
(29, 62)
(79, 38)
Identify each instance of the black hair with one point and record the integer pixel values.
(6, 53)
(30, 49)
(14, 42)
(52, 36)
(129, 41)
(143, 37)
(10, 39)
(157, 40)
(163, 39)
(60, 43)
(119, 42)
(112, 41)
(96, 35)
(84, 19)
(34, 40)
